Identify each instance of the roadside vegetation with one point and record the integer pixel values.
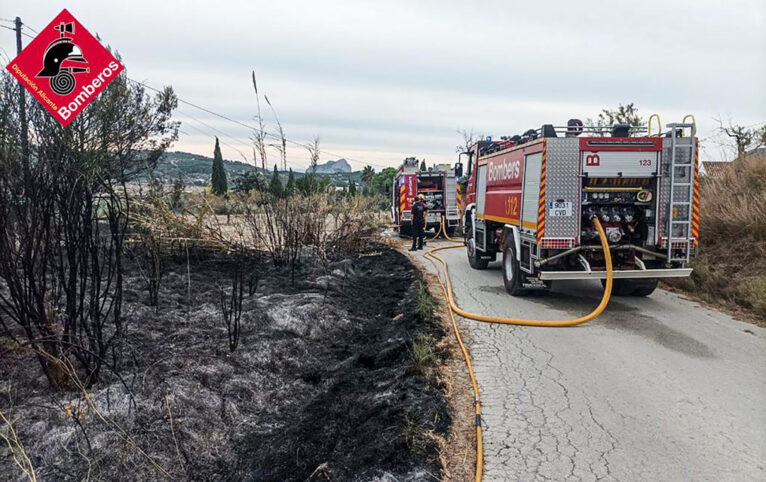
(731, 266)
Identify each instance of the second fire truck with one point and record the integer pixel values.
(438, 185)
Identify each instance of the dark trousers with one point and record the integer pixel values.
(418, 234)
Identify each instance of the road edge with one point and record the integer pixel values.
(458, 451)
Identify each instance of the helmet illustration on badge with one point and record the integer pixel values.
(62, 59)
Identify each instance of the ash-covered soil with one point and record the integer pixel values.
(321, 387)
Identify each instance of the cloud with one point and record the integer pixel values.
(384, 80)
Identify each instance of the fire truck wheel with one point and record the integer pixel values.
(404, 231)
(644, 287)
(513, 278)
(473, 256)
(620, 287)
(633, 287)
(450, 231)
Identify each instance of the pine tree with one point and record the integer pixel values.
(290, 187)
(275, 185)
(351, 188)
(423, 165)
(218, 177)
(367, 174)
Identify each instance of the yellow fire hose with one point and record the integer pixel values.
(519, 321)
(436, 235)
(454, 308)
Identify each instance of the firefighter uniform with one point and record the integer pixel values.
(419, 210)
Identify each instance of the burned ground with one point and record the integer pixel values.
(321, 387)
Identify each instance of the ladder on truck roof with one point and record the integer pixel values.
(682, 175)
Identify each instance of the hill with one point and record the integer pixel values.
(195, 169)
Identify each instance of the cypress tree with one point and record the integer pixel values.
(218, 177)
(351, 188)
(290, 187)
(423, 165)
(275, 185)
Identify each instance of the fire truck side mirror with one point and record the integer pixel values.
(459, 169)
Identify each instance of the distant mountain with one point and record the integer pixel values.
(334, 167)
(195, 169)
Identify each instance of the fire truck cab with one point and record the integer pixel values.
(531, 198)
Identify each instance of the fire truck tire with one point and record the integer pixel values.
(513, 278)
(620, 287)
(633, 287)
(644, 287)
(450, 230)
(405, 231)
(473, 257)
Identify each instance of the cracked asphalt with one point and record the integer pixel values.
(657, 388)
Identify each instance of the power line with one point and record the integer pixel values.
(206, 134)
(254, 128)
(219, 131)
(7, 57)
(22, 33)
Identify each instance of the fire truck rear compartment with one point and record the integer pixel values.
(625, 208)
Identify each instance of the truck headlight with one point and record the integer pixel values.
(644, 196)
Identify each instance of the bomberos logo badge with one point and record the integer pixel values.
(65, 67)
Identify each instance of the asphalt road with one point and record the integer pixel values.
(657, 388)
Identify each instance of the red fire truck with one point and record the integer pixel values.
(438, 185)
(531, 199)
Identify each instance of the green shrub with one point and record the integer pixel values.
(755, 295)
(424, 355)
(425, 304)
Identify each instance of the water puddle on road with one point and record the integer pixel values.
(623, 317)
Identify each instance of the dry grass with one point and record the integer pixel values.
(730, 270)
(15, 448)
(734, 205)
(425, 355)
(153, 217)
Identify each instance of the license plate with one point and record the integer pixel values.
(560, 209)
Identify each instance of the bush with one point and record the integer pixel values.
(732, 258)
(63, 222)
(283, 226)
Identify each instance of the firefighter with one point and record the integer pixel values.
(419, 212)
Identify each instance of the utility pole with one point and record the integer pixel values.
(23, 115)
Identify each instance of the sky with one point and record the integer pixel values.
(381, 81)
